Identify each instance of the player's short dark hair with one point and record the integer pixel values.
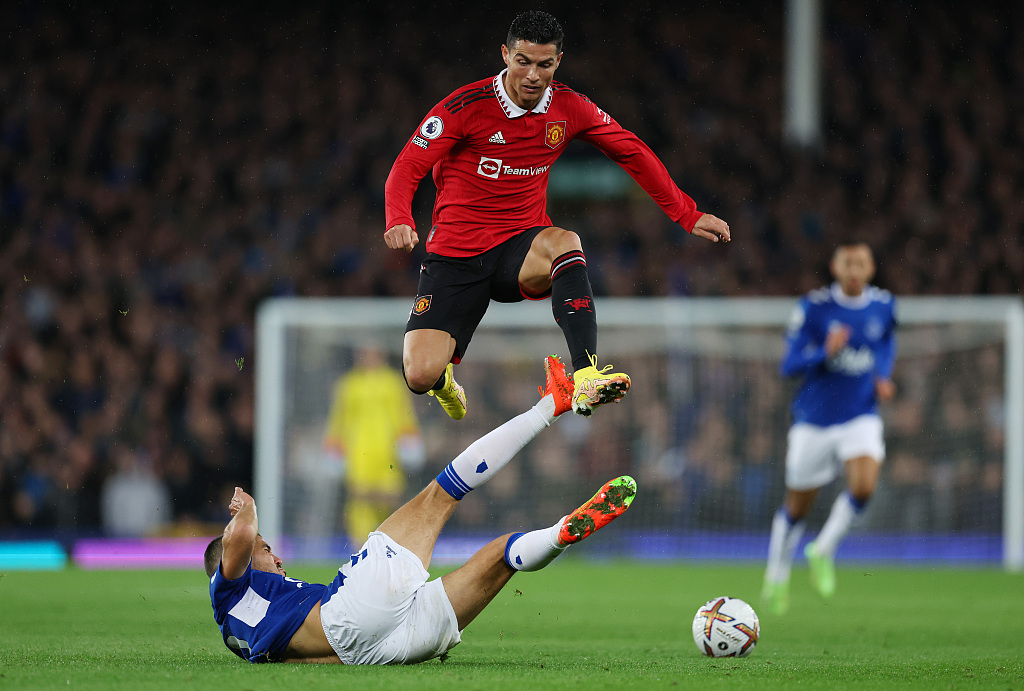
(213, 555)
(536, 27)
(852, 241)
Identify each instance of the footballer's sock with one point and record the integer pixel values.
(572, 303)
(785, 537)
(844, 510)
(534, 550)
(489, 454)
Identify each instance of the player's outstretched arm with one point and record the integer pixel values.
(712, 228)
(239, 535)
(401, 237)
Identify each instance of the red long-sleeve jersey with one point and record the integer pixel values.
(491, 158)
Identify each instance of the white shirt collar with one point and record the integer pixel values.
(509, 106)
(851, 302)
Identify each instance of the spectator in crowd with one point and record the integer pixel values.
(135, 502)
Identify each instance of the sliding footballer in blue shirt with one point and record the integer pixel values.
(381, 608)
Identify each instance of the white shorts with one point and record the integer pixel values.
(815, 455)
(384, 612)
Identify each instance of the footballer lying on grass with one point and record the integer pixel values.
(381, 609)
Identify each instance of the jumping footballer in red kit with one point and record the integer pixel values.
(490, 146)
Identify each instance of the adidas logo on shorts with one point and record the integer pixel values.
(496, 138)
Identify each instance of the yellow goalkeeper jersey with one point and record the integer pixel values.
(370, 411)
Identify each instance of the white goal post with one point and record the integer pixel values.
(641, 325)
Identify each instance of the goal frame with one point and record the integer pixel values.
(276, 315)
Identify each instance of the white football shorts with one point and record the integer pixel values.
(385, 612)
(815, 455)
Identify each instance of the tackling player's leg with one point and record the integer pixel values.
(417, 524)
(471, 587)
(610, 502)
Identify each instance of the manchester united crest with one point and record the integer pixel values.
(422, 304)
(554, 134)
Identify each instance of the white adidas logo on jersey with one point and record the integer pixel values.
(496, 138)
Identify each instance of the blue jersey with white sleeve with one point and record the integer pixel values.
(259, 612)
(838, 389)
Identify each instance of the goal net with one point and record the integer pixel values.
(703, 429)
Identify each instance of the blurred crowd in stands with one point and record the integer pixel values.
(163, 170)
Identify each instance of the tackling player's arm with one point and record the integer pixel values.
(239, 535)
(435, 136)
(637, 159)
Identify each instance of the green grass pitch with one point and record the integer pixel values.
(579, 624)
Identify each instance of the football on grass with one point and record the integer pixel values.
(726, 627)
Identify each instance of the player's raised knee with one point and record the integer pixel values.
(555, 241)
(420, 377)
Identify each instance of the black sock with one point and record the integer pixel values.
(572, 303)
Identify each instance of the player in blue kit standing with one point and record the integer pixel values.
(381, 608)
(841, 340)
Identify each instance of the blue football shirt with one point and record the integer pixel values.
(259, 612)
(840, 388)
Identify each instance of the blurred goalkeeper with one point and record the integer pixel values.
(381, 609)
(374, 440)
(490, 146)
(841, 339)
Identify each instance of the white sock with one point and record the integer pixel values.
(534, 550)
(489, 454)
(782, 546)
(838, 524)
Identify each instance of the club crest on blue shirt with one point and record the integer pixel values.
(874, 329)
